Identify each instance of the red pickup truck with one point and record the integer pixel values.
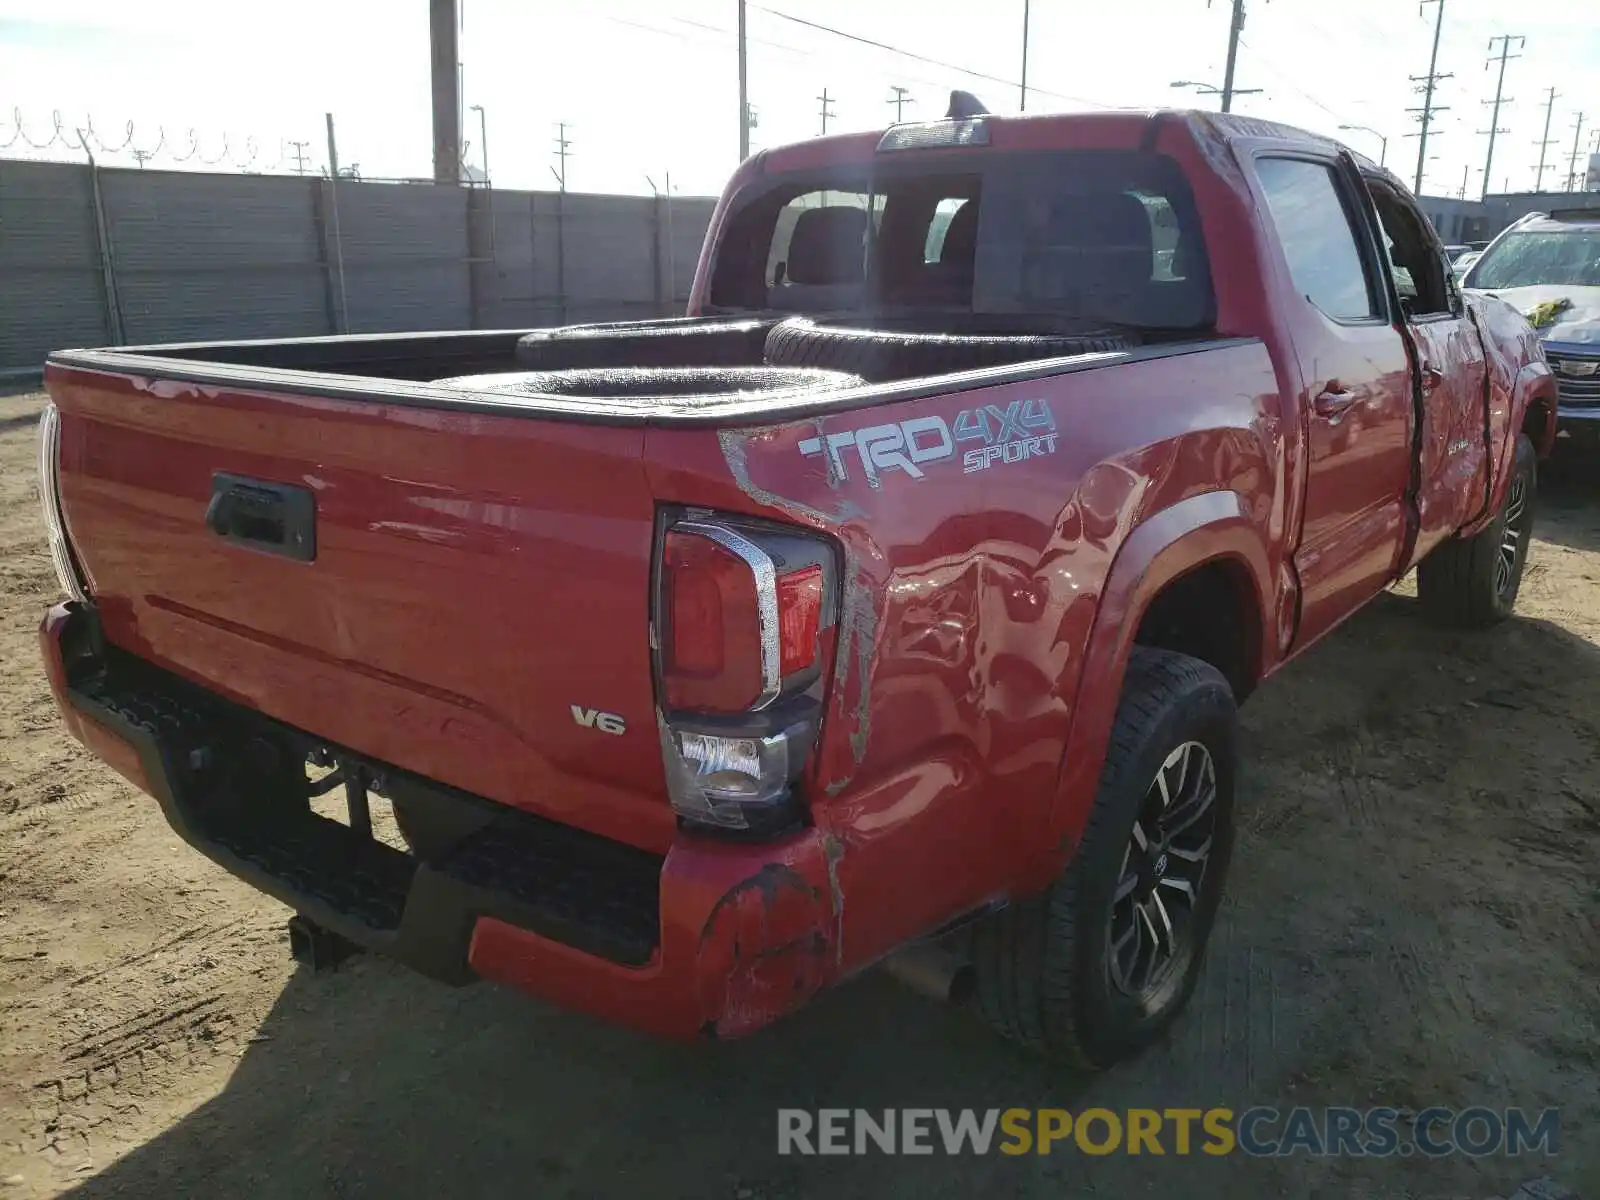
(901, 595)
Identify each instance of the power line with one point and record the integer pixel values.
(1429, 82)
(1547, 142)
(948, 66)
(1505, 41)
(1289, 83)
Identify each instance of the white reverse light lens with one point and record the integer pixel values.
(724, 781)
(50, 499)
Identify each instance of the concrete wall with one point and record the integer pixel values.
(94, 258)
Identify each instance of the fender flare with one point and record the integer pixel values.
(1534, 384)
(1201, 529)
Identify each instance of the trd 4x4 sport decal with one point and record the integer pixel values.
(1022, 429)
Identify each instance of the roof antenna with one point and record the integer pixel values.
(964, 105)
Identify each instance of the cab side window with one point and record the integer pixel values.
(1318, 237)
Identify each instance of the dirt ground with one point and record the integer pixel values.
(1413, 918)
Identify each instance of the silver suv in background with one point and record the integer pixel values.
(1547, 265)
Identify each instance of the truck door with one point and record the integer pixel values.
(1355, 386)
(1453, 471)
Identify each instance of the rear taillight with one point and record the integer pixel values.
(742, 614)
(68, 573)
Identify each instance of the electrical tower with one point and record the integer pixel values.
(1428, 83)
(563, 148)
(901, 98)
(1500, 98)
(1547, 142)
(299, 157)
(1572, 163)
(827, 109)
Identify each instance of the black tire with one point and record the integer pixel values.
(910, 348)
(674, 342)
(1472, 583)
(1044, 973)
(646, 385)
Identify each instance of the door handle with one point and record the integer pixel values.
(1432, 377)
(1333, 400)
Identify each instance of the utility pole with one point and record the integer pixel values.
(1572, 163)
(1505, 40)
(562, 147)
(1235, 28)
(299, 157)
(901, 98)
(1465, 171)
(1544, 146)
(1023, 107)
(483, 140)
(827, 109)
(1428, 82)
(444, 26)
(744, 89)
(338, 235)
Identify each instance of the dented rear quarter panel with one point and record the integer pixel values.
(970, 602)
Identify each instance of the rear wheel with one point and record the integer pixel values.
(1471, 583)
(1098, 967)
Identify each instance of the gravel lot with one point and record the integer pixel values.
(1413, 918)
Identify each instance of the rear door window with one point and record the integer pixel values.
(1318, 235)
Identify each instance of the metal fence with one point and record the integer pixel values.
(99, 256)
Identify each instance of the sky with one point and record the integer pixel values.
(648, 88)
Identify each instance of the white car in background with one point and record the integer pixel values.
(1547, 265)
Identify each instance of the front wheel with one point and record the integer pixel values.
(1098, 967)
(1472, 583)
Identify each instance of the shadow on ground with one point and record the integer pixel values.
(1569, 497)
(1419, 816)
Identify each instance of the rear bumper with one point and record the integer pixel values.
(713, 938)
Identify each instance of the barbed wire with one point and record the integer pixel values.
(191, 147)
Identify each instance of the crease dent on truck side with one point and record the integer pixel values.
(903, 591)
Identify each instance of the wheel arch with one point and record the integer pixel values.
(1203, 545)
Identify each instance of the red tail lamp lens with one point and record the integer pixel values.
(711, 654)
(799, 614)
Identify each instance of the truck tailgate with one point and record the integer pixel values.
(478, 595)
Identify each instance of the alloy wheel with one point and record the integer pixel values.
(1163, 870)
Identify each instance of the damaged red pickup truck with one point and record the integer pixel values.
(901, 595)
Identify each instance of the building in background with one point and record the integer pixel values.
(1461, 222)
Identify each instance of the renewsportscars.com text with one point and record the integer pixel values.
(1259, 1131)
